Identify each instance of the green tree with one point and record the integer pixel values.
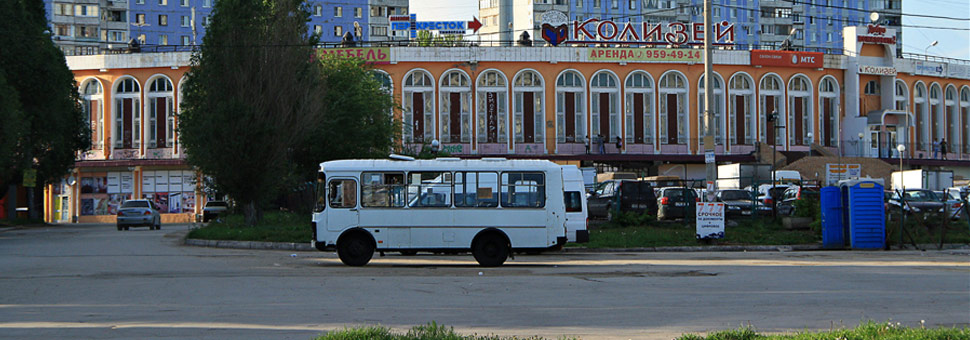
(53, 128)
(252, 95)
(11, 131)
(356, 121)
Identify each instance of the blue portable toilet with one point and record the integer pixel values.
(863, 212)
(832, 228)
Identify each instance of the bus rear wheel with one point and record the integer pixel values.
(355, 250)
(490, 250)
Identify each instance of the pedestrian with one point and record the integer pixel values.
(936, 148)
(943, 148)
(619, 144)
(599, 143)
(587, 145)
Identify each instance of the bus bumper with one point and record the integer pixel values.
(582, 236)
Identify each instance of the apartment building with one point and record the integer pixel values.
(82, 27)
(808, 24)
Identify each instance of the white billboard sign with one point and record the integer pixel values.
(835, 172)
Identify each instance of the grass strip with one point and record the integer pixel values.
(638, 232)
(866, 331)
(752, 232)
(274, 227)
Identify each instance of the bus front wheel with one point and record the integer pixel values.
(355, 249)
(490, 250)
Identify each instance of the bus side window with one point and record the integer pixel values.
(429, 189)
(523, 190)
(343, 193)
(382, 190)
(476, 189)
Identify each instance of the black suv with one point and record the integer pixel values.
(621, 195)
(676, 202)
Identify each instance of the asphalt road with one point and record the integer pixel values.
(93, 282)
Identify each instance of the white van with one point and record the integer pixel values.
(574, 194)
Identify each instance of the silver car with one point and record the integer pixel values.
(139, 213)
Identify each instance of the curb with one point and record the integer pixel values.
(249, 245)
(797, 247)
(308, 247)
(688, 249)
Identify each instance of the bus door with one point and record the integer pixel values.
(342, 200)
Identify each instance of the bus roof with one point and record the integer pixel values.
(444, 164)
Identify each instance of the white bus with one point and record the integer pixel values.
(491, 207)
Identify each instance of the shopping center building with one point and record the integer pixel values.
(555, 103)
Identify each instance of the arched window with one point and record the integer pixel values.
(384, 79)
(161, 113)
(92, 102)
(965, 117)
(604, 109)
(952, 119)
(873, 88)
(936, 112)
(639, 108)
(387, 86)
(492, 109)
(920, 106)
(901, 96)
(127, 114)
(828, 92)
(770, 97)
(800, 111)
(455, 119)
(741, 90)
(717, 106)
(673, 108)
(418, 107)
(570, 108)
(528, 92)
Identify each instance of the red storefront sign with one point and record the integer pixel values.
(786, 58)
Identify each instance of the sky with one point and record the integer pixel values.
(952, 43)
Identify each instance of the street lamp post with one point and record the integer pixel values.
(927, 49)
(902, 195)
(860, 143)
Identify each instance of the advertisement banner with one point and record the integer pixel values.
(175, 180)
(374, 55)
(958, 71)
(148, 181)
(188, 180)
(835, 172)
(710, 220)
(646, 54)
(127, 183)
(929, 68)
(161, 181)
(786, 58)
(114, 182)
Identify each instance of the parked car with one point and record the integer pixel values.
(139, 213)
(769, 194)
(214, 209)
(738, 202)
(621, 195)
(952, 202)
(676, 202)
(918, 201)
(786, 205)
